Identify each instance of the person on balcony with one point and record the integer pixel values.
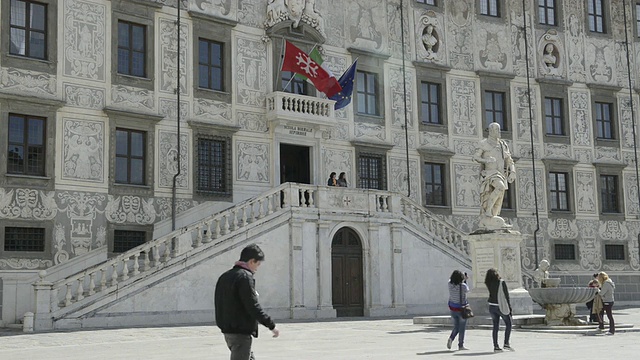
(332, 180)
(342, 180)
(236, 304)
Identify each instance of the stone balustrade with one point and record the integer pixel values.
(54, 299)
(300, 108)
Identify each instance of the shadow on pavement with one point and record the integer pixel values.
(424, 330)
(474, 353)
(434, 352)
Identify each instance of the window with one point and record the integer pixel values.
(124, 240)
(132, 48)
(595, 8)
(553, 116)
(293, 84)
(638, 19)
(367, 93)
(130, 157)
(490, 8)
(609, 193)
(565, 251)
(547, 12)
(604, 121)
(434, 184)
(495, 108)
(213, 166)
(428, 2)
(26, 154)
(28, 29)
(614, 252)
(431, 103)
(559, 191)
(23, 239)
(210, 68)
(371, 171)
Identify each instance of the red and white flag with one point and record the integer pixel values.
(297, 61)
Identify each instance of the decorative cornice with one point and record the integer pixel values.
(372, 144)
(215, 19)
(53, 103)
(113, 112)
(365, 52)
(217, 126)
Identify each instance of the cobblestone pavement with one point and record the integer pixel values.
(347, 339)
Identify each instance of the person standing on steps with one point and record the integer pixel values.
(236, 304)
(495, 285)
(458, 290)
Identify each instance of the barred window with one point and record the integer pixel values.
(565, 251)
(614, 252)
(371, 171)
(124, 240)
(213, 165)
(23, 239)
(609, 193)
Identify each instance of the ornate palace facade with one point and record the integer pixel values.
(92, 154)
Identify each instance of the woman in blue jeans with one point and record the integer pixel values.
(495, 284)
(457, 300)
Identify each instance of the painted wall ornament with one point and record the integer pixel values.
(83, 146)
(253, 162)
(130, 209)
(27, 204)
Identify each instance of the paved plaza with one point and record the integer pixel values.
(351, 339)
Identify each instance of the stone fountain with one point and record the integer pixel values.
(559, 302)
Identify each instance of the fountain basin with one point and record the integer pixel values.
(561, 295)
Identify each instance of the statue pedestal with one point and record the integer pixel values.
(499, 249)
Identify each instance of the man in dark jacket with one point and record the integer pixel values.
(236, 301)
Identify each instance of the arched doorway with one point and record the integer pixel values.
(346, 273)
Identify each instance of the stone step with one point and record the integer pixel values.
(445, 320)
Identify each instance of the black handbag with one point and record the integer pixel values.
(466, 309)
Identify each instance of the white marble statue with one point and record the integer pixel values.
(497, 171)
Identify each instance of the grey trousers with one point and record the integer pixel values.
(240, 346)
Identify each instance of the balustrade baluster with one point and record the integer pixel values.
(146, 263)
(114, 274)
(207, 232)
(216, 232)
(243, 215)
(285, 199)
(156, 255)
(92, 284)
(234, 223)
(80, 289)
(311, 193)
(385, 205)
(260, 209)
(136, 265)
(67, 296)
(199, 231)
(166, 255)
(270, 204)
(103, 279)
(125, 269)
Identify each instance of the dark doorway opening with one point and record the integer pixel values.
(295, 164)
(346, 274)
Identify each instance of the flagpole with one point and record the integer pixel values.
(282, 52)
(404, 98)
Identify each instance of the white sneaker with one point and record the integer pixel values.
(609, 333)
(449, 341)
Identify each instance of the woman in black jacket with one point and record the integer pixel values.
(494, 284)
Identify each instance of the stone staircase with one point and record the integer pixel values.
(72, 301)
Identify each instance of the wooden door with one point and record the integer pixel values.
(347, 276)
